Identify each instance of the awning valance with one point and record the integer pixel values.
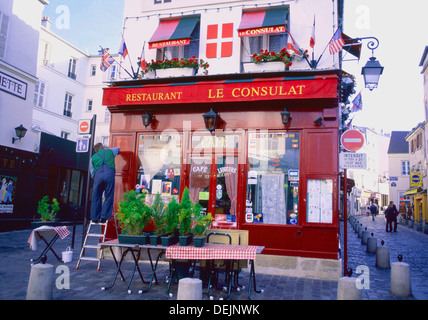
(412, 191)
(256, 23)
(171, 33)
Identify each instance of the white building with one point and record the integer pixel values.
(371, 183)
(69, 88)
(19, 41)
(399, 167)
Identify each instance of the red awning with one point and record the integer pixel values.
(171, 33)
(256, 23)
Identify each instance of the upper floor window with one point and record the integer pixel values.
(405, 168)
(93, 72)
(89, 104)
(177, 38)
(68, 102)
(39, 94)
(4, 26)
(72, 68)
(263, 30)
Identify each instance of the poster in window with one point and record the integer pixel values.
(320, 201)
(7, 193)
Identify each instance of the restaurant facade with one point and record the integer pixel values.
(257, 148)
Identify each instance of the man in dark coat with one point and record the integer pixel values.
(391, 216)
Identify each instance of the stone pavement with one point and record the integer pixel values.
(86, 282)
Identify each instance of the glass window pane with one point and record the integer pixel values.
(226, 190)
(199, 180)
(273, 178)
(159, 170)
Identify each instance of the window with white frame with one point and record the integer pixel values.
(68, 102)
(72, 68)
(65, 135)
(89, 105)
(39, 94)
(93, 72)
(4, 26)
(405, 168)
(271, 42)
(180, 52)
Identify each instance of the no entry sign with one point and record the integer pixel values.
(84, 127)
(352, 140)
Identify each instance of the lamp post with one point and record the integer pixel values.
(371, 73)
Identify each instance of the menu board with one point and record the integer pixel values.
(320, 201)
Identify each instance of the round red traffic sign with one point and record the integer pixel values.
(84, 126)
(352, 140)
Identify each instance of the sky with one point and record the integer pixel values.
(401, 28)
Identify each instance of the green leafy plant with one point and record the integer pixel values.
(48, 211)
(133, 213)
(192, 62)
(201, 223)
(187, 207)
(171, 217)
(158, 209)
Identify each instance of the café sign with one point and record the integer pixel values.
(13, 86)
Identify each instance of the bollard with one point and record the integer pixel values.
(40, 285)
(382, 257)
(347, 288)
(400, 279)
(371, 244)
(360, 231)
(364, 236)
(189, 289)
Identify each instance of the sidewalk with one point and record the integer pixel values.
(86, 282)
(412, 244)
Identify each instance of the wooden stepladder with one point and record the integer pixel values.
(87, 244)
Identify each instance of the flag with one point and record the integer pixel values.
(106, 60)
(292, 45)
(123, 50)
(312, 41)
(336, 43)
(349, 124)
(357, 103)
(143, 59)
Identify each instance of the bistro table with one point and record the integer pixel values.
(135, 250)
(43, 233)
(213, 251)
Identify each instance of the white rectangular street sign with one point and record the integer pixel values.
(351, 160)
(82, 145)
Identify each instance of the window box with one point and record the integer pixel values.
(175, 72)
(272, 66)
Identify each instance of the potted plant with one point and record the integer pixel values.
(186, 213)
(47, 212)
(158, 211)
(133, 215)
(201, 222)
(171, 223)
(177, 67)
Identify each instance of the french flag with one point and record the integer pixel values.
(123, 50)
(312, 41)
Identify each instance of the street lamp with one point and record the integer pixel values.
(285, 116)
(147, 119)
(371, 73)
(210, 119)
(20, 133)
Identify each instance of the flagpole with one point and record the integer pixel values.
(325, 49)
(141, 56)
(120, 65)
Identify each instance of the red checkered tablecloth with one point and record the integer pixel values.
(211, 251)
(46, 232)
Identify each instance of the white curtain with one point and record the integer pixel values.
(273, 201)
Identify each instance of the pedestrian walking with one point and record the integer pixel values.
(374, 210)
(391, 216)
(103, 171)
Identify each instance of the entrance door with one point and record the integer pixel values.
(213, 179)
